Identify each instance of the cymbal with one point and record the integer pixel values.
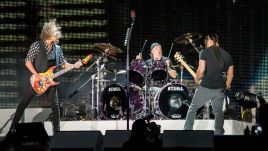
(186, 38)
(108, 49)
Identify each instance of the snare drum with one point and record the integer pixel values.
(113, 102)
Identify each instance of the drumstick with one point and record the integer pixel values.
(143, 46)
(170, 50)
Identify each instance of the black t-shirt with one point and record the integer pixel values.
(213, 77)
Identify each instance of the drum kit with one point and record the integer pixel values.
(109, 91)
(169, 102)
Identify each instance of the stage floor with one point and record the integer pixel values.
(232, 127)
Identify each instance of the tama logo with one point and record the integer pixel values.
(113, 89)
(175, 88)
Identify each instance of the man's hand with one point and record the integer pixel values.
(197, 80)
(172, 73)
(78, 64)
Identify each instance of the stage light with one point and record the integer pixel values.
(249, 100)
(252, 100)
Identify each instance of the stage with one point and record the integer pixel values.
(232, 127)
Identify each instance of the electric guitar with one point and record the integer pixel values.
(180, 59)
(40, 86)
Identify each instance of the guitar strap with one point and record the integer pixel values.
(56, 49)
(216, 51)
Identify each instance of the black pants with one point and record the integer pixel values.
(52, 97)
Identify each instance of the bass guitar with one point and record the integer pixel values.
(180, 59)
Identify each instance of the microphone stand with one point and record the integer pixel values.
(74, 93)
(127, 41)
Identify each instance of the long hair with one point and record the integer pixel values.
(49, 29)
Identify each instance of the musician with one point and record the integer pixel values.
(215, 71)
(156, 54)
(42, 55)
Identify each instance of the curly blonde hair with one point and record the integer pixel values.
(49, 29)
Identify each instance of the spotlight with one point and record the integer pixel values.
(249, 100)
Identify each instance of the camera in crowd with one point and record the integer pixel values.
(153, 130)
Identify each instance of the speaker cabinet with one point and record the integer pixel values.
(77, 141)
(114, 139)
(188, 139)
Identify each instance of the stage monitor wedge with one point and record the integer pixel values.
(77, 141)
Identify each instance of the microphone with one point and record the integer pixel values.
(127, 35)
(133, 16)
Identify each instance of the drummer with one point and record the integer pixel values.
(156, 54)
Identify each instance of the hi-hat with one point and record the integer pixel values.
(187, 38)
(108, 49)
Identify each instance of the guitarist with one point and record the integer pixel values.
(42, 55)
(213, 61)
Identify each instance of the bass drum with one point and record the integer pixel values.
(113, 103)
(173, 101)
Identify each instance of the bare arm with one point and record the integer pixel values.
(30, 66)
(230, 75)
(172, 73)
(200, 70)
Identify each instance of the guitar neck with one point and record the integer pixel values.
(55, 75)
(189, 69)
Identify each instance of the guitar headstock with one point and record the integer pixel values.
(79, 63)
(179, 57)
(87, 58)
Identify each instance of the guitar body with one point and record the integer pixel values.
(40, 86)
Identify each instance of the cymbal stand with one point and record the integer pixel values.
(98, 93)
(181, 74)
(145, 92)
